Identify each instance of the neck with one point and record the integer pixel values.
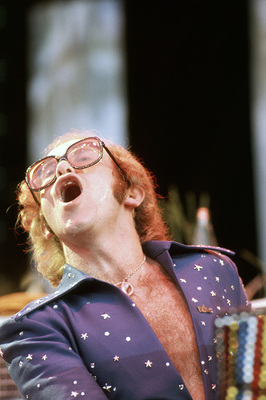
(109, 260)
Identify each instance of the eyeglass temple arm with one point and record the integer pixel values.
(33, 195)
(113, 158)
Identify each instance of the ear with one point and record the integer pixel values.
(46, 231)
(134, 197)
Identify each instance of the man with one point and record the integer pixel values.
(133, 315)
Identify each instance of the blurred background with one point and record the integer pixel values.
(182, 83)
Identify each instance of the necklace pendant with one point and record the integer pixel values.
(127, 287)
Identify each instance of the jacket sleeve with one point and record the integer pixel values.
(43, 360)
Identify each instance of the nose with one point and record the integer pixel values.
(63, 167)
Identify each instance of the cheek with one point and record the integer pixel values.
(47, 210)
(45, 195)
(106, 192)
(99, 187)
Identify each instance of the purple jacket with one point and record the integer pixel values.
(88, 340)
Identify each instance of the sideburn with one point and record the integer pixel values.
(120, 187)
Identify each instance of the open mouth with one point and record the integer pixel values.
(70, 191)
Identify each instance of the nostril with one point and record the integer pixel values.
(63, 167)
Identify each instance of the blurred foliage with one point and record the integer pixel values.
(181, 216)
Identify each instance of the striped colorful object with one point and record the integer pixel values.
(241, 353)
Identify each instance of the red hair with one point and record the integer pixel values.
(48, 254)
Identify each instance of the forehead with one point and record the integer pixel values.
(62, 148)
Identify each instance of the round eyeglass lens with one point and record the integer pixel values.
(84, 153)
(42, 173)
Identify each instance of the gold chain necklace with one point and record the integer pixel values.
(126, 286)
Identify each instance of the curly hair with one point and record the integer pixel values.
(48, 253)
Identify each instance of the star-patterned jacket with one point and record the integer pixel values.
(88, 340)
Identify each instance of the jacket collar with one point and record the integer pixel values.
(161, 251)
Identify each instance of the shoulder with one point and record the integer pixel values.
(192, 257)
(215, 259)
(71, 279)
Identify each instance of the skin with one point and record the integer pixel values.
(94, 224)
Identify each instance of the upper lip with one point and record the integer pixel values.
(68, 187)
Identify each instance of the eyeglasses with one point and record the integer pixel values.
(82, 154)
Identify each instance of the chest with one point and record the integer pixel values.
(167, 312)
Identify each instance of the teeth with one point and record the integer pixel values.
(69, 183)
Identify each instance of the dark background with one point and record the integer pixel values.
(189, 113)
(188, 85)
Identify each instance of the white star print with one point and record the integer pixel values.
(197, 267)
(44, 357)
(107, 387)
(105, 316)
(148, 364)
(74, 394)
(29, 357)
(84, 336)
(213, 293)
